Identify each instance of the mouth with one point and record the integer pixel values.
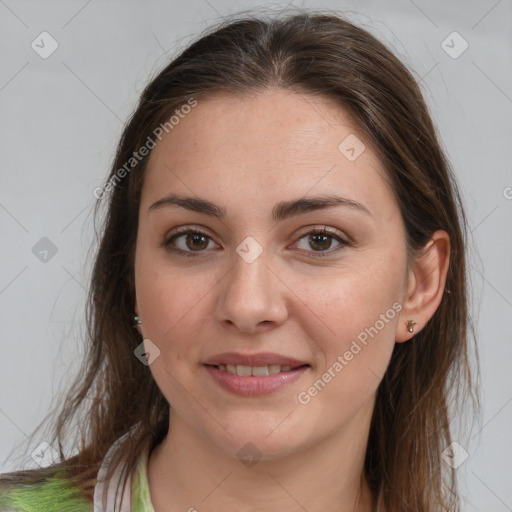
(256, 371)
(254, 381)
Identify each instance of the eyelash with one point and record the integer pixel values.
(315, 254)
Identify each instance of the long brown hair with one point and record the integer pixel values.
(316, 53)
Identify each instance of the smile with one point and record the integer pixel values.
(255, 380)
(255, 371)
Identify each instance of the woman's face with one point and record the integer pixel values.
(259, 280)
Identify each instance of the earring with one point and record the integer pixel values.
(410, 325)
(136, 321)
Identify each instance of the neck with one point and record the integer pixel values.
(186, 472)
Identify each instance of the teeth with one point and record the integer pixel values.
(256, 371)
(260, 370)
(243, 371)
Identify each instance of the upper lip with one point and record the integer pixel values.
(260, 359)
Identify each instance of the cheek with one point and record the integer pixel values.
(355, 357)
(352, 320)
(170, 305)
(347, 303)
(172, 301)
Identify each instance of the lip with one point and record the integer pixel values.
(259, 359)
(255, 386)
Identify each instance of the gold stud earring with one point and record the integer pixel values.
(410, 325)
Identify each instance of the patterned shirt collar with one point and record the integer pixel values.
(135, 498)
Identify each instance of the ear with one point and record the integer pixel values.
(425, 285)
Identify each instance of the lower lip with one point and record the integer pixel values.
(255, 386)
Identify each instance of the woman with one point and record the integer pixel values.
(287, 237)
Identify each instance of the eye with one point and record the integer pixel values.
(320, 240)
(193, 241)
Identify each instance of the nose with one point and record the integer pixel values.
(252, 298)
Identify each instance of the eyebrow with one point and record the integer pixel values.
(281, 211)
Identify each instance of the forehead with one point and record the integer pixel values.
(268, 146)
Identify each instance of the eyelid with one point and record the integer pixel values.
(192, 228)
(319, 227)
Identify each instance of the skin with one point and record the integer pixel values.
(246, 154)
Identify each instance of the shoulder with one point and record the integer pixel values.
(40, 491)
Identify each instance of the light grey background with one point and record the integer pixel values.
(61, 118)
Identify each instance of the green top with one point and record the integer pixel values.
(141, 501)
(58, 494)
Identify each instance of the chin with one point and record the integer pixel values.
(259, 444)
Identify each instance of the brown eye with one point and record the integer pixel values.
(187, 242)
(321, 240)
(196, 241)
